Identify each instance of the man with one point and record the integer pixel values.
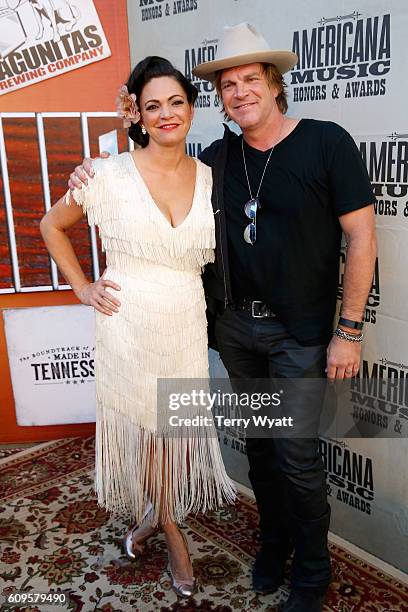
(274, 284)
(283, 193)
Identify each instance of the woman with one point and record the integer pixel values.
(156, 224)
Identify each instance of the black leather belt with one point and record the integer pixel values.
(256, 308)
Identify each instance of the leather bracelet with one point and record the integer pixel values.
(350, 323)
(345, 336)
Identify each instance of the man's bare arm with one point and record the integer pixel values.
(343, 356)
(361, 251)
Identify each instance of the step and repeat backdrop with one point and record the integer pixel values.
(352, 70)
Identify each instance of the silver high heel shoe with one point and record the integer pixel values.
(186, 587)
(133, 541)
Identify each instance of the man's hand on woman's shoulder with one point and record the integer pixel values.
(81, 173)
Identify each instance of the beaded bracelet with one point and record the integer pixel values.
(350, 337)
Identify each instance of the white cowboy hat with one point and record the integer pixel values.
(240, 45)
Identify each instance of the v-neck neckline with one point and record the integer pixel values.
(147, 191)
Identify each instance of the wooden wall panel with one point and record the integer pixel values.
(6, 279)
(27, 198)
(64, 149)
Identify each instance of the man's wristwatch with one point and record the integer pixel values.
(351, 324)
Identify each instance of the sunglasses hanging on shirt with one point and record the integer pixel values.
(253, 205)
(250, 209)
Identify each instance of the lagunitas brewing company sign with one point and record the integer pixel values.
(341, 57)
(40, 40)
(374, 297)
(386, 159)
(349, 475)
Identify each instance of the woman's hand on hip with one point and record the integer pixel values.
(96, 295)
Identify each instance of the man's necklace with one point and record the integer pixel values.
(264, 170)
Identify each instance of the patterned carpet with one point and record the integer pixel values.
(53, 537)
(7, 452)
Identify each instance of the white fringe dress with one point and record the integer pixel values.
(159, 332)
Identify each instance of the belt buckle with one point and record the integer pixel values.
(264, 315)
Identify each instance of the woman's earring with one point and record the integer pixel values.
(144, 132)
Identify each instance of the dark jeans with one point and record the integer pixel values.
(286, 474)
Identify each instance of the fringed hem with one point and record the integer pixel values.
(179, 474)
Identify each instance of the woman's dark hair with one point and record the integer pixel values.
(146, 70)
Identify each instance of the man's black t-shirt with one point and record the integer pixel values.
(314, 175)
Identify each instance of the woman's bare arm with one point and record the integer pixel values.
(53, 227)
